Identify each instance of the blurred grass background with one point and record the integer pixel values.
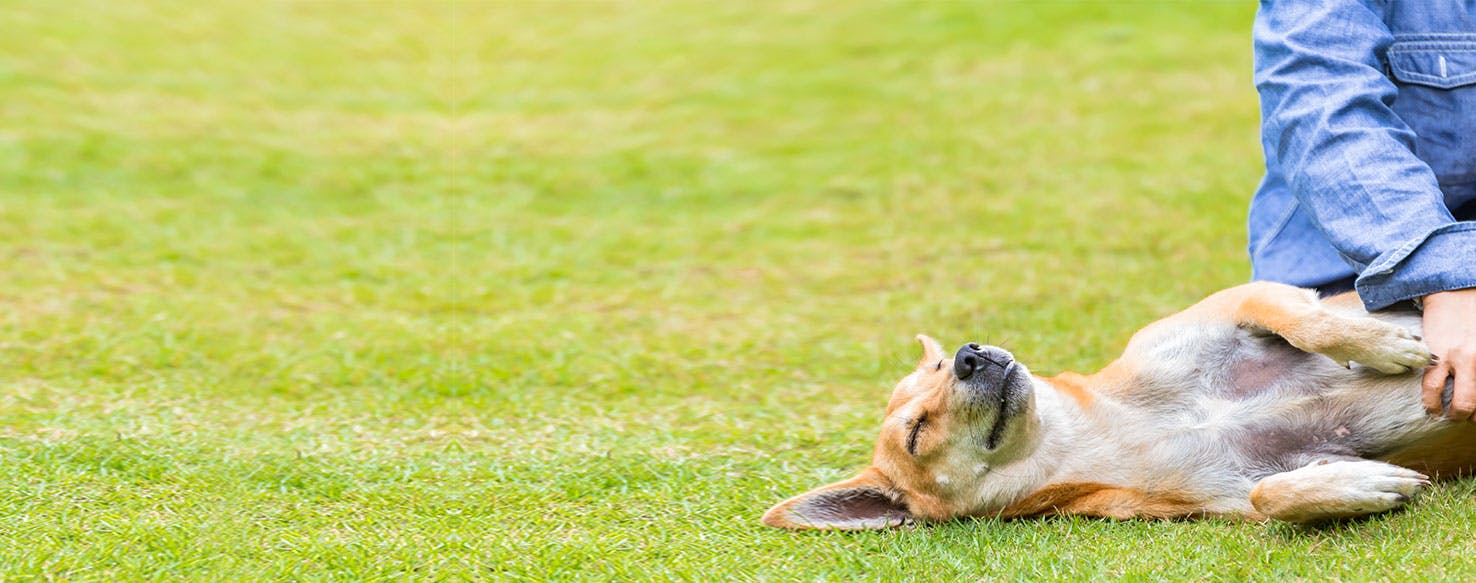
(550, 290)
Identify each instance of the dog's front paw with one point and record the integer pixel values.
(1341, 489)
(1379, 345)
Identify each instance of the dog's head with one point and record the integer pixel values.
(949, 425)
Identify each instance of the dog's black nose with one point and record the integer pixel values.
(972, 358)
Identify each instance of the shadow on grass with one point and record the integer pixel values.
(1291, 531)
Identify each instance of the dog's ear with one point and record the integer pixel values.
(932, 350)
(860, 503)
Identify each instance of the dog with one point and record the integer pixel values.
(1261, 401)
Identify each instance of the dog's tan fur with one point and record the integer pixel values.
(1223, 409)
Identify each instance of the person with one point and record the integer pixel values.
(1369, 130)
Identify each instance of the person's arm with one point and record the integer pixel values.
(1350, 161)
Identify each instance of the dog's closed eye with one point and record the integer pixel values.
(917, 426)
(940, 365)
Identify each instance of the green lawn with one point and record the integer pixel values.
(552, 290)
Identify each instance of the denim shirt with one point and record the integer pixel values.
(1369, 129)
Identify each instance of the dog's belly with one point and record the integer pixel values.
(1260, 364)
(1267, 407)
(1292, 407)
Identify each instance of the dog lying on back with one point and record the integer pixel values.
(1260, 401)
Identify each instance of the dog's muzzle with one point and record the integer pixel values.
(993, 386)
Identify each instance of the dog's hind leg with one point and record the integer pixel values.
(1328, 490)
(1297, 315)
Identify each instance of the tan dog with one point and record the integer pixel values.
(1245, 404)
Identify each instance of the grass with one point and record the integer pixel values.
(548, 290)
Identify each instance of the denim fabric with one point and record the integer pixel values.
(1369, 129)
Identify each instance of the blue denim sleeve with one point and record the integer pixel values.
(1349, 159)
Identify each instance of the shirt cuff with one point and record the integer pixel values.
(1442, 260)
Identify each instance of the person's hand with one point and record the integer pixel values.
(1450, 332)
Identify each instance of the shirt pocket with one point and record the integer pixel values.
(1436, 75)
(1442, 61)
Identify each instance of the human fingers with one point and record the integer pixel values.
(1463, 399)
(1432, 386)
